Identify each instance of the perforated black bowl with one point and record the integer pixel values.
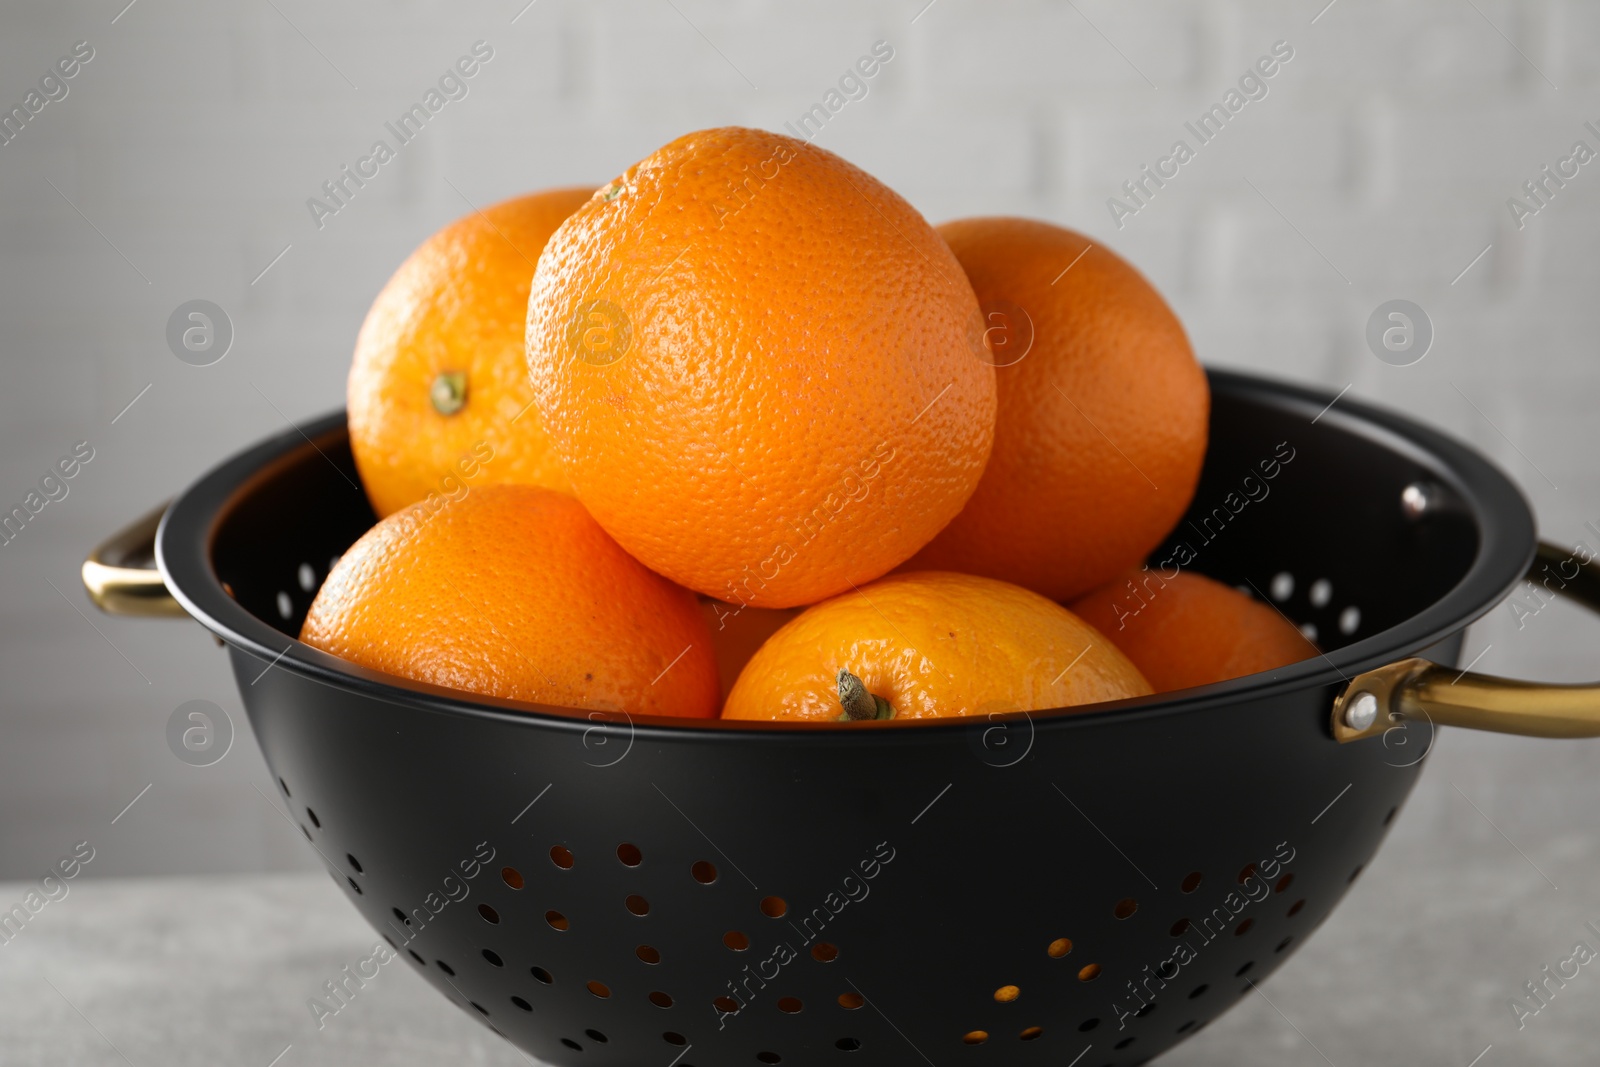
(611, 892)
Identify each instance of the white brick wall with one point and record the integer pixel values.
(194, 136)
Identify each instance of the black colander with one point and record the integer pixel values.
(1056, 888)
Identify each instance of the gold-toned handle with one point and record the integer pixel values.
(120, 574)
(1417, 690)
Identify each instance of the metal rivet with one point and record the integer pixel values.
(1361, 711)
(1415, 500)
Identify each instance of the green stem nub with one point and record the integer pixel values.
(858, 704)
(448, 392)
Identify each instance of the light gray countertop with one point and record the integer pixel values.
(1415, 967)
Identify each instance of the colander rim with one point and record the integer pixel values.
(1501, 514)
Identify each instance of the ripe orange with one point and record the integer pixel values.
(515, 592)
(438, 393)
(1102, 421)
(933, 645)
(1188, 630)
(737, 633)
(761, 367)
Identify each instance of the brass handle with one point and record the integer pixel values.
(1418, 690)
(120, 574)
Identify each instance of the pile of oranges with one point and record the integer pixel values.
(739, 433)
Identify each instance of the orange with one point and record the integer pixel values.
(515, 592)
(1188, 630)
(438, 394)
(1102, 422)
(933, 645)
(761, 368)
(736, 634)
